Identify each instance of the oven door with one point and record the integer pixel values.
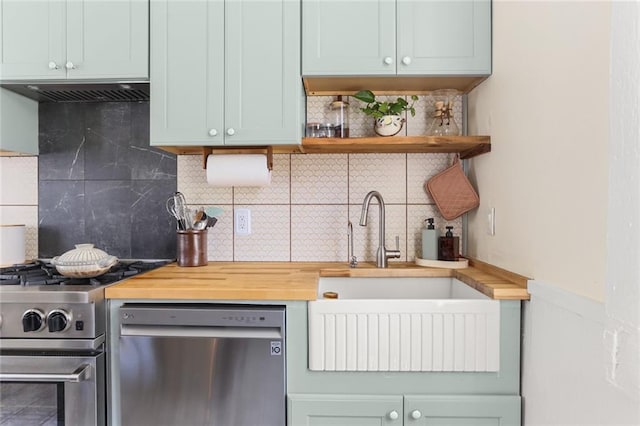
(53, 389)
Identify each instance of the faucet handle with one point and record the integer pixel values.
(393, 254)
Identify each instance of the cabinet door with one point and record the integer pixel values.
(353, 37)
(18, 123)
(442, 37)
(32, 36)
(187, 72)
(262, 72)
(107, 39)
(344, 410)
(462, 410)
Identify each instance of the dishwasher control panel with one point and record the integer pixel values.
(203, 315)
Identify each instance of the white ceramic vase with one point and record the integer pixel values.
(388, 125)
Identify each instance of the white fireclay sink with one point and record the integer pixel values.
(397, 288)
(403, 324)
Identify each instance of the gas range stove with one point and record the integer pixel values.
(38, 305)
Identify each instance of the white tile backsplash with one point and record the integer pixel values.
(270, 234)
(19, 176)
(220, 237)
(385, 173)
(319, 179)
(303, 215)
(319, 232)
(420, 168)
(19, 198)
(276, 193)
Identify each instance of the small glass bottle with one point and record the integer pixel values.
(339, 117)
(449, 246)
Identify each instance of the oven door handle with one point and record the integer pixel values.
(81, 374)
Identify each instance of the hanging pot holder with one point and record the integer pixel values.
(452, 191)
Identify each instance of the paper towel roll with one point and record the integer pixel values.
(238, 170)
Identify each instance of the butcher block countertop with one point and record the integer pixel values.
(295, 280)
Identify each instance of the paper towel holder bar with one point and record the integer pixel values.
(207, 150)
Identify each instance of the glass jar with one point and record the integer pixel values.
(339, 117)
(443, 121)
(313, 130)
(319, 130)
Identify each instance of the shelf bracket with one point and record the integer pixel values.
(268, 150)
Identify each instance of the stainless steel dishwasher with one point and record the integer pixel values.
(202, 364)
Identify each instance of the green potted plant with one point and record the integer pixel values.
(388, 119)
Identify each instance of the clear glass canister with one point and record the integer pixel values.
(443, 121)
(339, 117)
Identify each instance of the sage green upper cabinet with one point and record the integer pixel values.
(396, 37)
(18, 124)
(74, 39)
(225, 73)
(348, 37)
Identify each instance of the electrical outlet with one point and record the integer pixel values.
(243, 221)
(491, 221)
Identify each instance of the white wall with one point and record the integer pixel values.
(622, 304)
(562, 108)
(546, 109)
(565, 378)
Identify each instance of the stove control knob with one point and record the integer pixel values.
(58, 320)
(32, 320)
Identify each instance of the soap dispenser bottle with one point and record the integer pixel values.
(430, 240)
(448, 246)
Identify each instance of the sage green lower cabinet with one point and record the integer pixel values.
(407, 410)
(431, 398)
(344, 410)
(462, 410)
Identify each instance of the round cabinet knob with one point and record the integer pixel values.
(416, 414)
(53, 65)
(231, 131)
(58, 320)
(406, 60)
(393, 415)
(388, 60)
(213, 132)
(69, 65)
(32, 320)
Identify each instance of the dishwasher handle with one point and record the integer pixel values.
(198, 331)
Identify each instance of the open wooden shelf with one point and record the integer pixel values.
(466, 146)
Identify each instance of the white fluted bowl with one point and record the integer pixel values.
(84, 261)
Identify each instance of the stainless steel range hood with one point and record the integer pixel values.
(81, 92)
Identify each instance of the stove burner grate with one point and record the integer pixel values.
(41, 273)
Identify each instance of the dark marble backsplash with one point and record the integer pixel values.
(100, 182)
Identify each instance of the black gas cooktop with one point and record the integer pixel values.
(43, 273)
